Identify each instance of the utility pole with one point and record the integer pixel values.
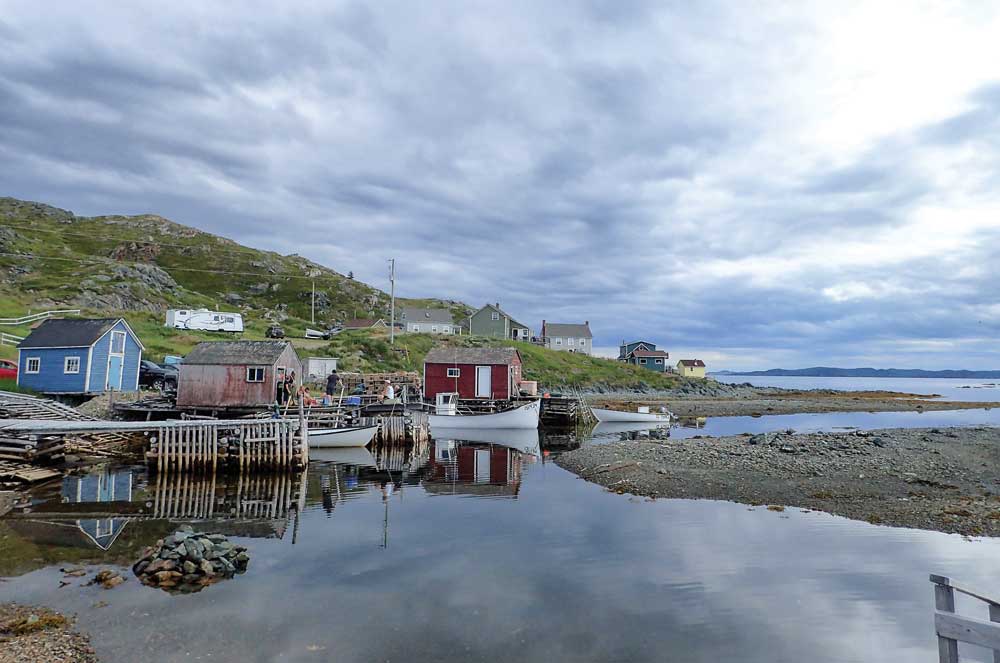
(313, 316)
(392, 301)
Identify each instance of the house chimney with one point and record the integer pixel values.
(586, 322)
(498, 304)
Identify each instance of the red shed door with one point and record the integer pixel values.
(484, 381)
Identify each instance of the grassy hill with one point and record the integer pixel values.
(139, 266)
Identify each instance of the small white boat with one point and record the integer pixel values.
(607, 428)
(446, 416)
(642, 415)
(356, 436)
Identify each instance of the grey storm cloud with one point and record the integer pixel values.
(663, 170)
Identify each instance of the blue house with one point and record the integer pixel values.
(80, 357)
(645, 354)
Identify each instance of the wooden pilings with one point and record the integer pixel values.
(206, 446)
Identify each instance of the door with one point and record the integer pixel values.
(484, 381)
(482, 466)
(115, 364)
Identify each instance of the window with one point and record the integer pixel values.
(71, 365)
(642, 361)
(32, 364)
(583, 342)
(558, 341)
(434, 329)
(230, 319)
(454, 372)
(255, 373)
(414, 328)
(117, 343)
(446, 329)
(659, 361)
(495, 316)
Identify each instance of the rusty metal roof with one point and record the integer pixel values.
(447, 355)
(236, 352)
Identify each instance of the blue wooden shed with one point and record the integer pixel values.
(80, 357)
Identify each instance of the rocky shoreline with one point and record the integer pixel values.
(30, 634)
(936, 479)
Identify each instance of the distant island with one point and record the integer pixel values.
(828, 372)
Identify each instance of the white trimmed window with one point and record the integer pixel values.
(414, 328)
(454, 372)
(583, 341)
(255, 373)
(569, 342)
(558, 341)
(71, 365)
(495, 316)
(32, 364)
(642, 361)
(659, 361)
(117, 342)
(434, 329)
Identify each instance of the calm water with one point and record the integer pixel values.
(480, 552)
(947, 388)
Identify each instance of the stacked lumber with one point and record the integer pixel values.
(375, 381)
(31, 449)
(19, 472)
(20, 406)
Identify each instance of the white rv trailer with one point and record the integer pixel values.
(204, 320)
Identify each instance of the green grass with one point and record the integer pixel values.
(7, 384)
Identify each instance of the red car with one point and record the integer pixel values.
(8, 370)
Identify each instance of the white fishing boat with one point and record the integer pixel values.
(643, 414)
(354, 436)
(446, 416)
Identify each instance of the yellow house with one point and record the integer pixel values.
(691, 368)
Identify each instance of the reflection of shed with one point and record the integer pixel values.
(234, 373)
(473, 469)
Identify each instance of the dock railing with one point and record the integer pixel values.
(953, 628)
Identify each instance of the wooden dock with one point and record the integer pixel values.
(199, 445)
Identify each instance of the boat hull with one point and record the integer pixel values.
(334, 438)
(524, 417)
(524, 440)
(615, 415)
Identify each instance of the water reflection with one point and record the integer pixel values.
(547, 568)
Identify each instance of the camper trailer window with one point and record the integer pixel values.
(117, 343)
(255, 374)
(230, 319)
(454, 372)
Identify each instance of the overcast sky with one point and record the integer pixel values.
(756, 184)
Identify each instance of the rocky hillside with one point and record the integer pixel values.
(147, 264)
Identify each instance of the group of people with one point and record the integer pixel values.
(287, 392)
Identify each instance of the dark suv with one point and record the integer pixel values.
(155, 376)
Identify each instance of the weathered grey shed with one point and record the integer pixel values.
(235, 373)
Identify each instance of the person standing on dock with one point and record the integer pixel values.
(388, 393)
(332, 380)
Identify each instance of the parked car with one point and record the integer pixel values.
(275, 331)
(8, 370)
(155, 376)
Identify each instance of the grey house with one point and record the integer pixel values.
(428, 321)
(492, 321)
(568, 337)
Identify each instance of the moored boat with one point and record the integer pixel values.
(617, 415)
(522, 439)
(353, 436)
(447, 417)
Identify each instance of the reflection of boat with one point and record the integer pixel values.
(344, 455)
(615, 427)
(521, 439)
(642, 415)
(447, 416)
(355, 436)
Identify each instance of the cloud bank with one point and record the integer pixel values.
(761, 185)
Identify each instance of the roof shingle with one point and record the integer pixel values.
(447, 355)
(63, 333)
(236, 352)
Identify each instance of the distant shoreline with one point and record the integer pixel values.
(886, 373)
